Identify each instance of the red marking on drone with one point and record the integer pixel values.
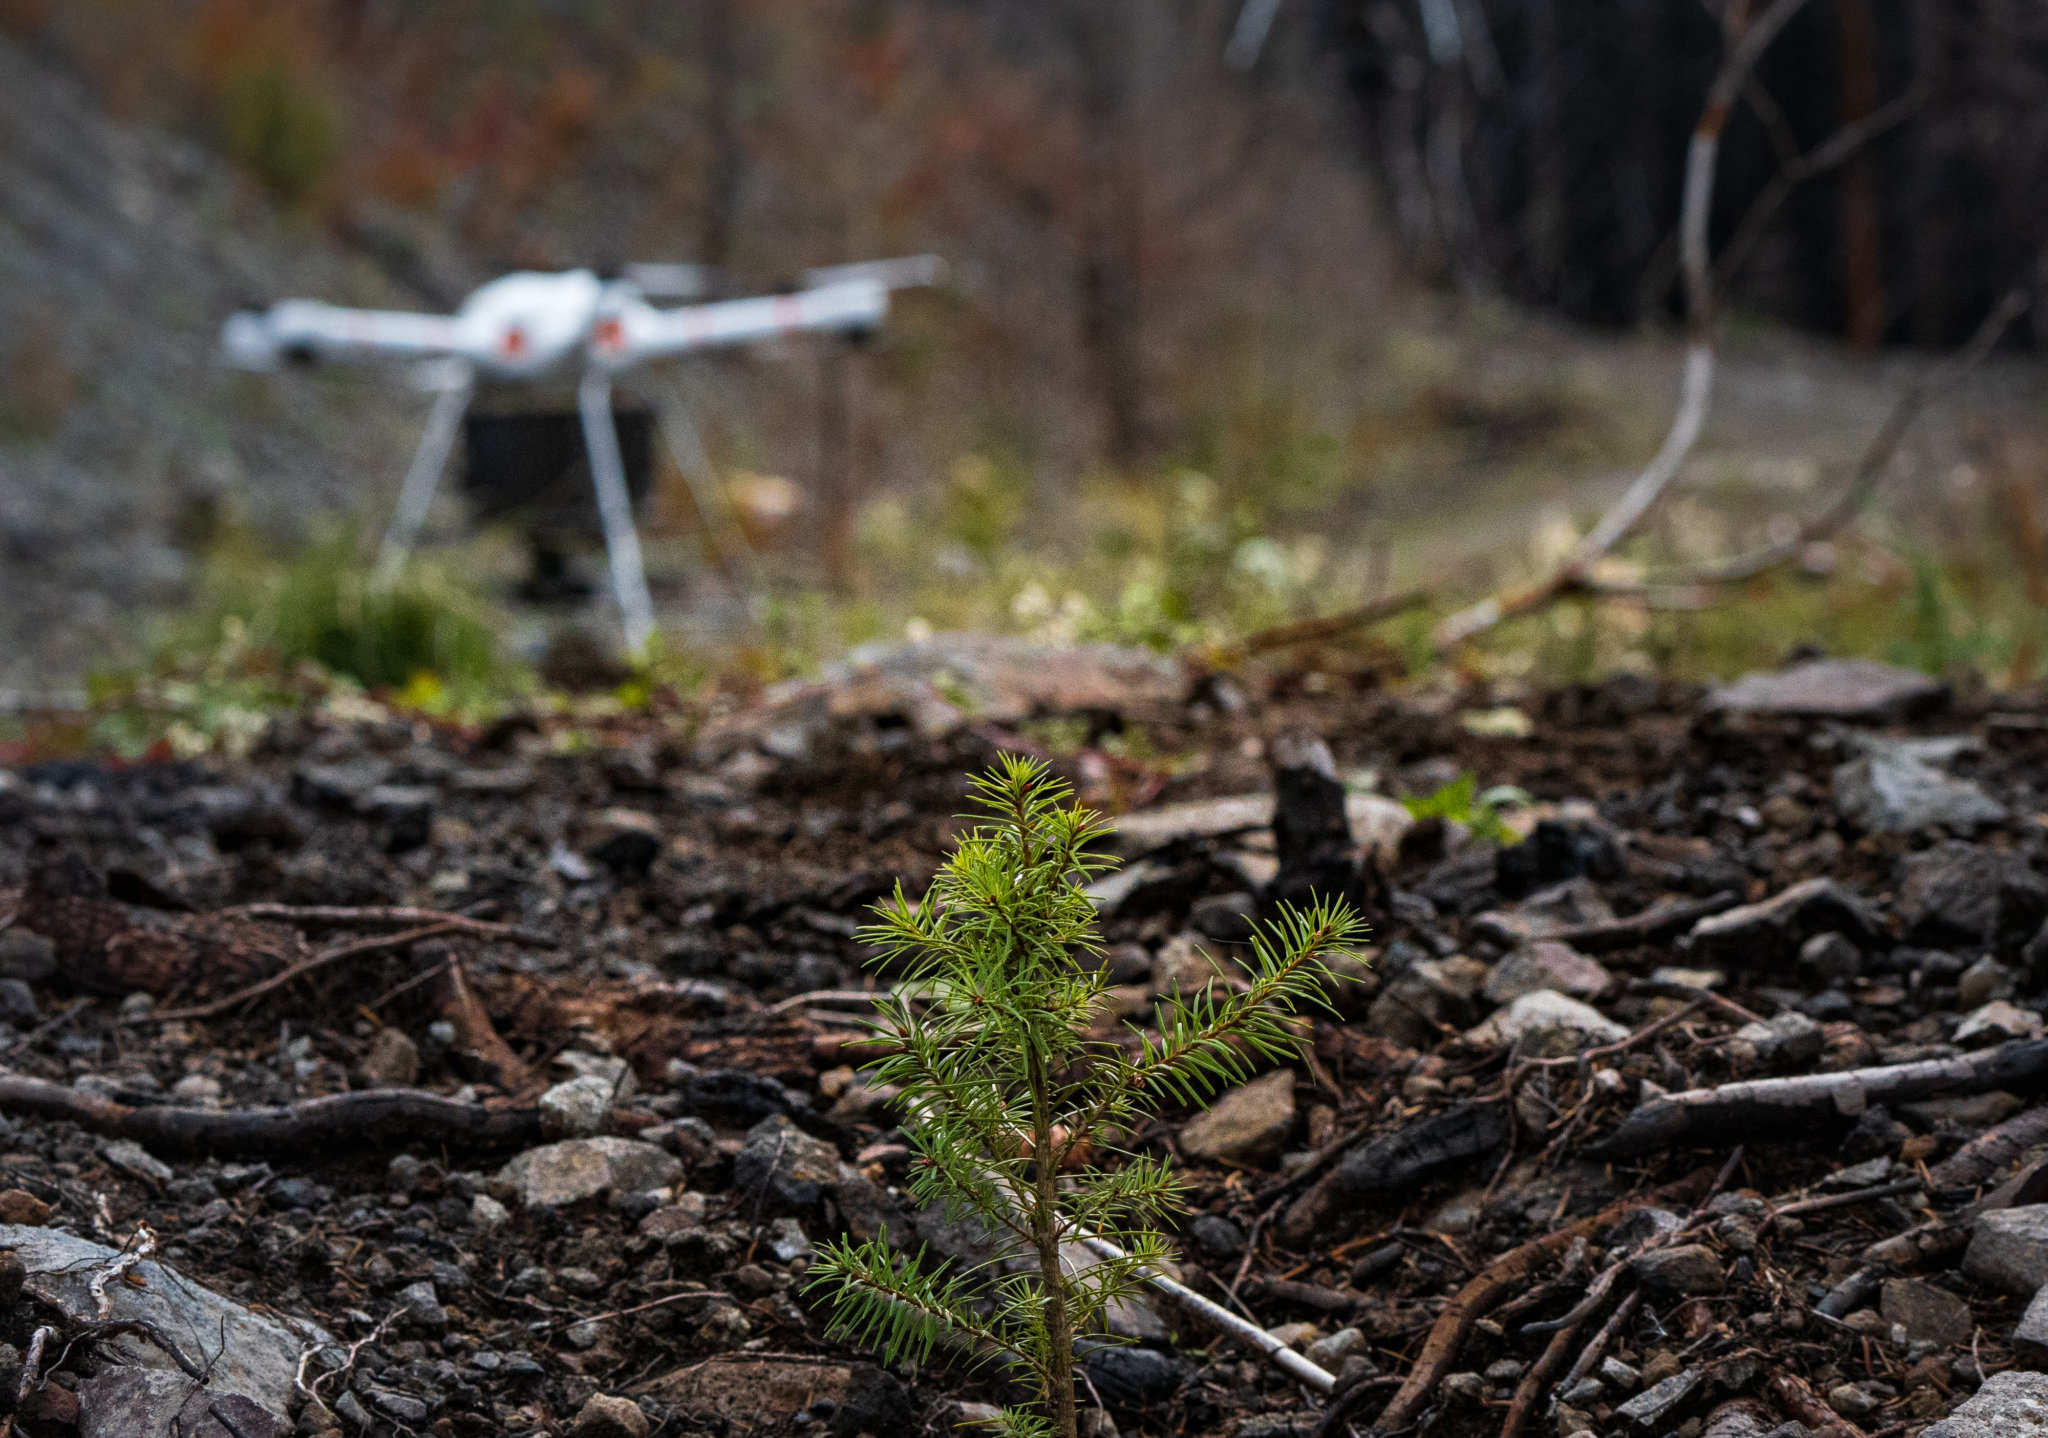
(515, 341)
(611, 335)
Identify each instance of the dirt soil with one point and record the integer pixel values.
(1478, 1197)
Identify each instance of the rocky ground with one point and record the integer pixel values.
(404, 1080)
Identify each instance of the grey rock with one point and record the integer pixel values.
(1547, 1023)
(26, 954)
(392, 1060)
(558, 1174)
(2030, 1338)
(18, 1004)
(794, 1169)
(423, 1307)
(1247, 1126)
(1546, 964)
(1891, 792)
(2009, 1405)
(257, 1360)
(1215, 1236)
(1830, 958)
(1430, 992)
(1784, 1040)
(1952, 894)
(137, 1162)
(1130, 1377)
(1690, 1268)
(576, 1109)
(1772, 931)
(2010, 1249)
(402, 1406)
(1566, 905)
(1995, 1023)
(628, 841)
(1651, 1406)
(1831, 689)
(604, 1415)
(1928, 1314)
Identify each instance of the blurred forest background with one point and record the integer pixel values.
(1259, 309)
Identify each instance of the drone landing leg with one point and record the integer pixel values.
(615, 508)
(423, 478)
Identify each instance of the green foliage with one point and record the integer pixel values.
(994, 1032)
(1461, 802)
(278, 127)
(324, 606)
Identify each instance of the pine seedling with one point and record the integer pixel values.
(990, 1044)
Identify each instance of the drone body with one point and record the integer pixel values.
(530, 325)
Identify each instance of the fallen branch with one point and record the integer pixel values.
(1321, 631)
(1697, 390)
(1759, 1108)
(476, 1037)
(1796, 1396)
(1218, 1317)
(370, 1116)
(332, 916)
(1992, 1151)
(1650, 925)
(1455, 1323)
(334, 954)
(1870, 468)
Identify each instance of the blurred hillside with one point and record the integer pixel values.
(1189, 376)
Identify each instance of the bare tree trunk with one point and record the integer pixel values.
(1110, 294)
(728, 158)
(1861, 222)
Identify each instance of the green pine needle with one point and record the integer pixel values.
(999, 1055)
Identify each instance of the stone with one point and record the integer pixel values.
(136, 1161)
(1770, 933)
(1830, 959)
(1225, 918)
(604, 1415)
(122, 1402)
(1687, 1269)
(1247, 1126)
(1547, 1023)
(26, 954)
(558, 1174)
(2009, 1249)
(486, 1213)
(1545, 964)
(1983, 981)
(1650, 1407)
(628, 841)
(19, 1207)
(1785, 1040)
(577, 1108)
(392, 1060)
(1211, 1235)
(1995, 1023)
(750, 1393)
(1131, 1377)
(795, 1169)
(1568, 905)
(1951, 894)
(2009, 1405)
(423, 1308)
(1430, 992)
(1331, 1352)
(254, 1356)
(1928, 1314)
(1893, 792)
(2030, 1339)
(1376, 822)
(18, 1004)
(1855, 689)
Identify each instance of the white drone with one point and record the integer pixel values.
(528, 325)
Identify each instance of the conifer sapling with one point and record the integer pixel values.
(995, 1046)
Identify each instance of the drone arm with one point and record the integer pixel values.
(615, 509)
(641, 332)
(295, 328)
